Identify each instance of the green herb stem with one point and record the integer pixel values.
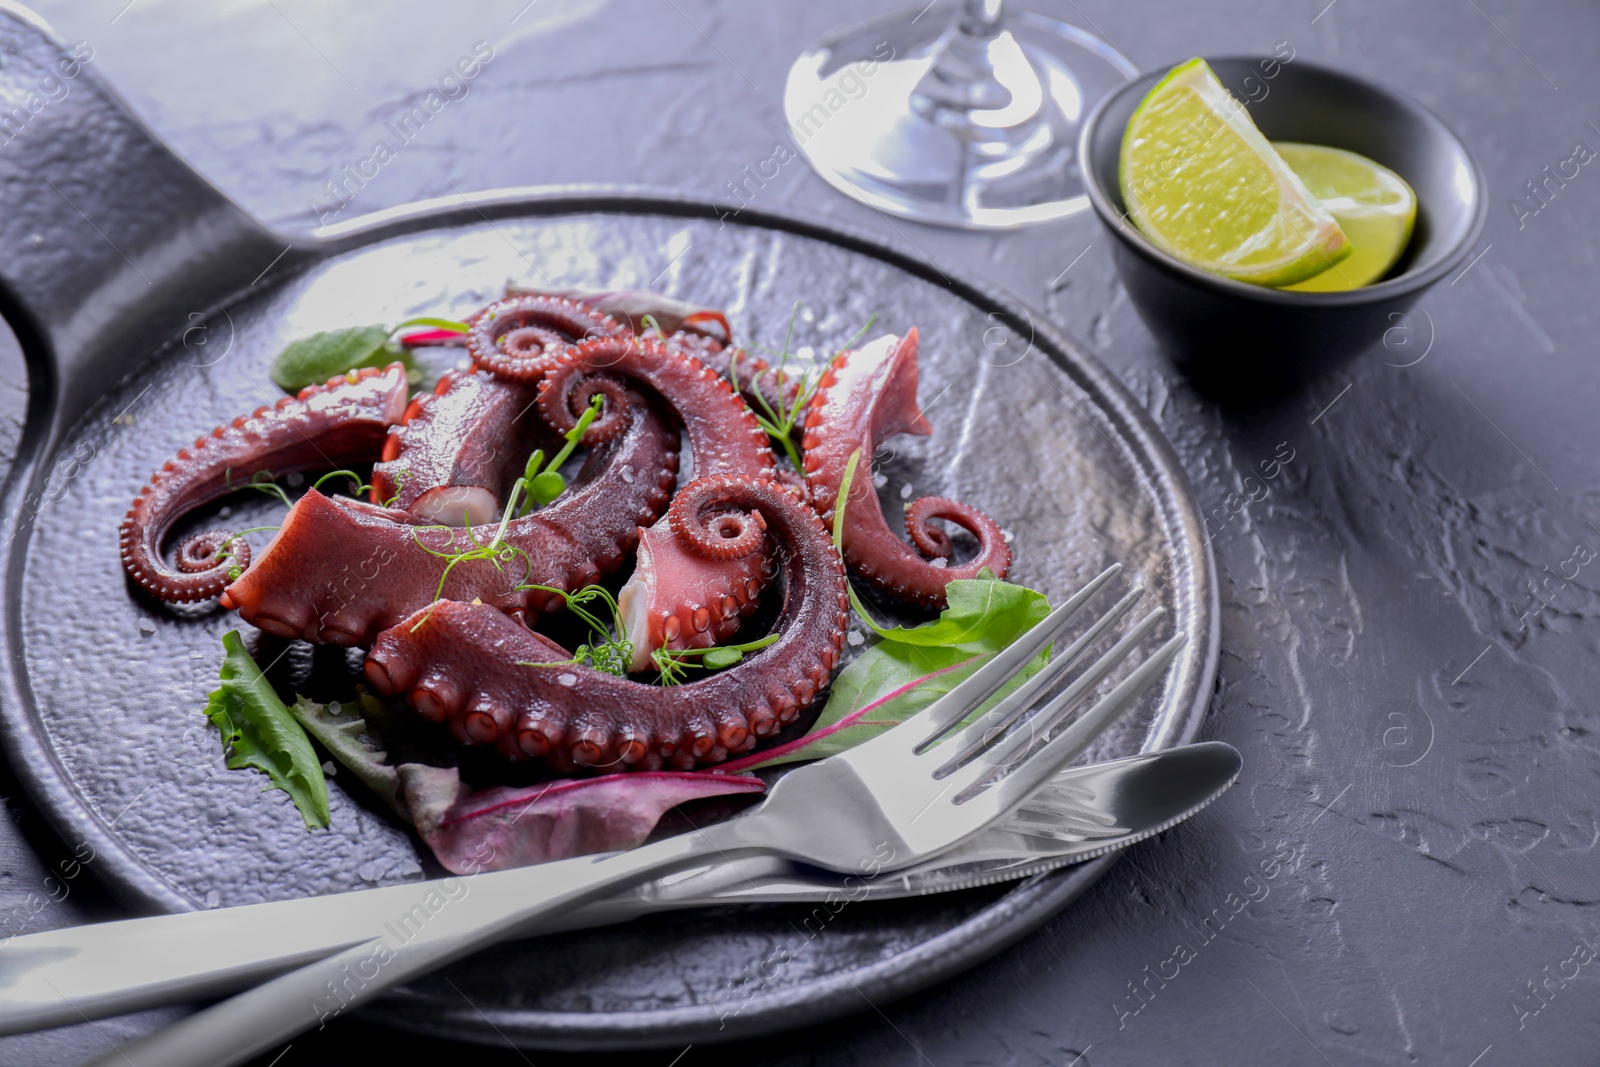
(543, 481)
(360, 486)
(780, 423)
(672, 662)
(263, 480)
(838, 541)
(230, 540)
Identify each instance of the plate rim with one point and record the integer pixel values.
(998, 925)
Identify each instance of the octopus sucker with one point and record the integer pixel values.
(343, 422)
(585, 715)
(866, 396)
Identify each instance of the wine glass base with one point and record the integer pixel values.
(858, 112)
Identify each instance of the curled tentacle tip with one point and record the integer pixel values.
(520, 337)
(710, 527)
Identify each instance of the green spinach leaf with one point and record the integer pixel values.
(314, 359)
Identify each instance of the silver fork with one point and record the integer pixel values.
(897, 800)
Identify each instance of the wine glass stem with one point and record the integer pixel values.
(982, 18)
(963, 81)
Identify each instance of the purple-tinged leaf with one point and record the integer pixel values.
(495, 829)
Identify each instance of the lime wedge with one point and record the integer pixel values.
(1201, 181)
(1373, 205)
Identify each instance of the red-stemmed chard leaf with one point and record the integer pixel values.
(430, 338)
(494, 829)
(803, 748)
(909, 668)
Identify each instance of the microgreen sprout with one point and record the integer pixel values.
(225, 550)
(399, 482)
(607, 653)
(495, 550)
(262, 480)
(543, 481)
(613, 654)
(673, 662)
(265, 481)
(357, 485)
(780, 422)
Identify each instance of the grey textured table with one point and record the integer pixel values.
(1406, 872)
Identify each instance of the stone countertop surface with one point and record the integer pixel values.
(1406, 871)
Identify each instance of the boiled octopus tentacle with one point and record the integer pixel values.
(630, 307)
(631, 491)
(341, 422)
(763, 387)
(723, 436)
(340, 571)
(516, 339)
(469, 666)
(675, 599)
(459, 449)
(693, 329)
(865, 397)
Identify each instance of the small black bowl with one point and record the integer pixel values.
(1237, 339)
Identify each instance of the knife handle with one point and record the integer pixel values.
(57, 977)
(437, 923)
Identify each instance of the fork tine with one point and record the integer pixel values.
(1061, 750)
(1000, 717)
(1089, 725)
(1007, 749)
(987, 680)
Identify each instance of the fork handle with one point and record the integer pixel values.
(436, 930)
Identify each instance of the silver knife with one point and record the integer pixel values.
(88, 972)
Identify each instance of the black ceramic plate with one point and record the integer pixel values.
(102, 699)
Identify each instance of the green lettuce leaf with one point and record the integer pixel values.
(313, 360)
(345, 730)
(911, 667)
(259, 732)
